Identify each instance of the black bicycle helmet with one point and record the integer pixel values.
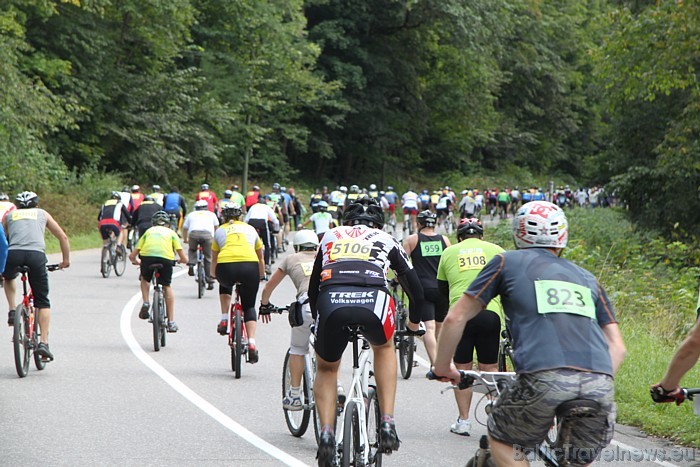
(427, 218)
(160, 218)
(469, 226)
(116, 195)
(26, 199)
(231, 211)
(364, 210)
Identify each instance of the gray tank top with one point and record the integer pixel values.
(25, 229)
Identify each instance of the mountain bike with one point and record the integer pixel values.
(361, 416)
(26, 333)
(449, 223)
(298, 420)
(403, 341)
(200, 274)
(390, 224)
(237, 335)
(407, 225)
(132, 237)
(159, 317)
(113, 257)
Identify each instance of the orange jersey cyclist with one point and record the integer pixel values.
(237, 256)
(353, 262)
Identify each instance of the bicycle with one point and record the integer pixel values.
(132, 237)
(298, 420)
(26, 334)
(237, 335)
(200, 273)
(449, 223)
(159, 317)
(361, 416)
(407, 225)
(403, 342)
(113, 257)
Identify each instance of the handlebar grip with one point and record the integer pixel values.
(52, 267)
(660, 395)
(465, 381)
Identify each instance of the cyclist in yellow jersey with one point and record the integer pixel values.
(158, 245)
(237, 256)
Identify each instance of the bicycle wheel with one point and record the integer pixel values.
(106, 264)
(406, 349)
(297, 420)
(120, 261)
(200, 279)
(39, 363)
(20, 341)
(237, 351)
(374, 418)
(156, 321)
(352, 445)
(163, 321)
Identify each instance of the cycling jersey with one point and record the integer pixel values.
(159, 241)
(136, 200)
(443, 203)
(5, 207)
(322, 222)
(263, 212)
(467, 206)
(251, 198)
(424, 201)
(237, 197)
(298, 267)
(115, 211)
(409, 200)
(25, 229)
(236, 242)
(209, 197)
(201, 221)
(174, 202)
(391, 197)
(426, 257)
(142, 216)
(556, 310)
(158, 197)
(503, 198)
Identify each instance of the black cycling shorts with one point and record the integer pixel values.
(165, 274)
(339, 306)
(38, 275)
(248, 274)
(106, 229)
(483, 333)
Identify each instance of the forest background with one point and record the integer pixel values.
(95, 94)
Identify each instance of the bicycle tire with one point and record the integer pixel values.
(238, 343)
(163, 322)
(351, 436)
(489, 462)
(39, 363)
(106, 263)
(20, 341)
(155, 318)
(201, 284)
(406, 348)
(374, 418)
(120, 263)
(297, 420)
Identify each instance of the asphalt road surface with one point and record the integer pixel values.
(109, 399)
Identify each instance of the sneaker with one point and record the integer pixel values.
(252, 353)
(222, 328)
(326, 449)
(341, 397)
(190, 271)
(11, 318)
(172, 326)
(461, 427)
(210, 286)
(268, 271)
(388, 439)
(143, 314)
(43, 351)
(292, 403)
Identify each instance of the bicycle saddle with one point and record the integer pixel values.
(21, 269)
(578, 408)
(156, 266)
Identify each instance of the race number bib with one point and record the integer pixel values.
(307, 268)
(19, 214)
(467, 261)
(346, 248)
(564, 297)
(431, 248)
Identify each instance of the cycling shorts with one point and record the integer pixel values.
(434, 306)
(108, 226)
(523, 414)
(483, 334)
(442, 212)
(299, 342)
(392, 208)
(165, 274)
(411, 211)
(339, 306)
(38, 275)
(247, 273)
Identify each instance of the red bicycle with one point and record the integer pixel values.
(237, 335)
(26, 335)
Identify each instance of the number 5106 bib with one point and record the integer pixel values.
(564, 297)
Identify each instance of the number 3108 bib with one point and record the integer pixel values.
(564, 297)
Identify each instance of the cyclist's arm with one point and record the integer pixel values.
(410, 243)
(685, 358)
(126, 215)
(181, 254)
(616, 345)
(183, 205)
(411, 284)
(444, 289)
(214, 262)
(261, 263)
(58, 232)
(462, 311)
(272, 283)
(315, 282)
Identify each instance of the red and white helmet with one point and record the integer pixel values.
(540, 224)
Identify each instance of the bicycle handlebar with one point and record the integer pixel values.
(467, 378)
(53, 267)
(660, 395)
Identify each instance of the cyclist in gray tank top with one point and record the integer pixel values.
(565, 336)
(25, 228)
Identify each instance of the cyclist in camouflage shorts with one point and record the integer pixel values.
(565, 336)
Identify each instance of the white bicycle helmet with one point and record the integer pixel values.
(201, 205)
(306, 239)
(540, 224)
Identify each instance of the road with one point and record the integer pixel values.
(109, 399)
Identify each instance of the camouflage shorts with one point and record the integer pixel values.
(523, 414)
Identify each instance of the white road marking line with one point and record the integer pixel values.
(623, 446)
(190, 395)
